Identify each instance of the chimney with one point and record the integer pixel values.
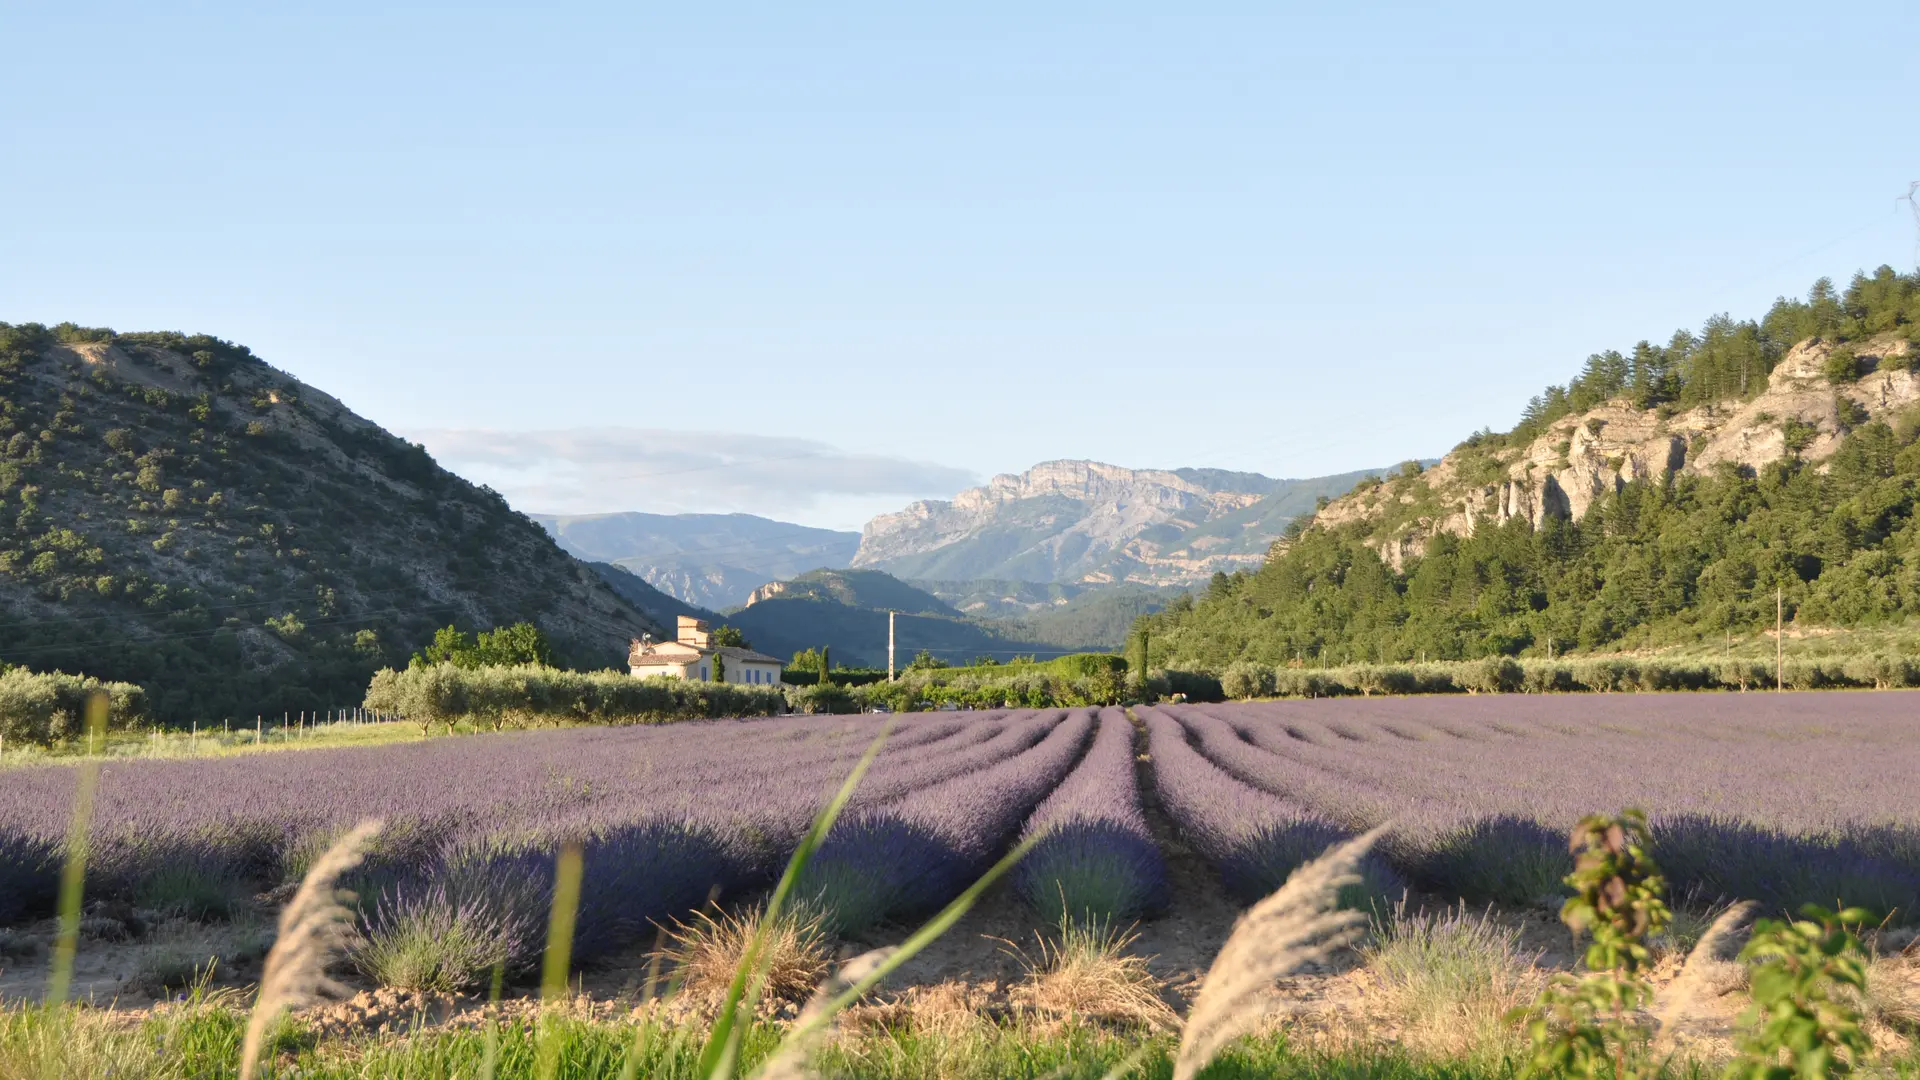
(692, 632)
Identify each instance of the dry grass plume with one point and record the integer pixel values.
(1701, 970)
(313, 927)
(1295, 927)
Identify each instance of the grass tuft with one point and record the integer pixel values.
(431, 947)
(1450, 978)
(707, 950)
(1087, 971)
(188, 891)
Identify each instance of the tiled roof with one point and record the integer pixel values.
(659, 660)
(748, 655)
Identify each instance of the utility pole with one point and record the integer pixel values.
(889, 646)
(1779, 640)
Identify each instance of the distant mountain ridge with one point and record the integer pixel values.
(712, 561)
(1090, 522)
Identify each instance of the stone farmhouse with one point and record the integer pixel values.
(692, 657)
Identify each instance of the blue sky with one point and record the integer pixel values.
(857, 254)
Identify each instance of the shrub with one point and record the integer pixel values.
(528, 694)
(46, 707)
(1247, 679)
(1196, 685)
(1547, 678)
(29, 877)
(1608, 675)
(1807, 674)
(1503, 859)
(1808, 976)
(1744, 674)
(1842, 364)
(1089, 665)
(815, 700)
(1659, 676)
(1882, 672)
(1580, 1025)
(186, 889)
(438, 937)
(1451, 977)
(1374, 679)
(1494, 675)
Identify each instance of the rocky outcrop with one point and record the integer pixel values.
(1080, 521)
(1580, 459)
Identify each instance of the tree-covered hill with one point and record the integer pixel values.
(846, 610)
(856, 588)
(1660, 497)
(176, 513)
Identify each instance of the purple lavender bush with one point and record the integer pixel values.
(920, 851)
(1096, 860)
(29, 877)
(667, 813)
(1784, 799)
(1255, 839)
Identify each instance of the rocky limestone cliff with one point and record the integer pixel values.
(1581, 458)
(1065, 521)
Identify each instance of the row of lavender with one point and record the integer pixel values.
(666, 815)
(1095, 859)
(1780, 799)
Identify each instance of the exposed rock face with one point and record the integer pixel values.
(1069, 521)
(1582, 458)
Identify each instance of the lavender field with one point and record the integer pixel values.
(1782, 798)
(1777, 798)
(667, 815)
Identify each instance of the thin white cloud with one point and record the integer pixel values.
(603, 470)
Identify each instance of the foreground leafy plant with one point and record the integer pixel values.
(1580, 1024)
(1802, 1012)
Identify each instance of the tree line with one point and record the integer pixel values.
(1676, 560)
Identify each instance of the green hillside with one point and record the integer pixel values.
(857, 588)
(176, 513)
(1097, 619)
(846, 610)
(1676, 557)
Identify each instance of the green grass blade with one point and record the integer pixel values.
(490, 1060)
(559, 959)
(73, 875)
(722, 1052)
